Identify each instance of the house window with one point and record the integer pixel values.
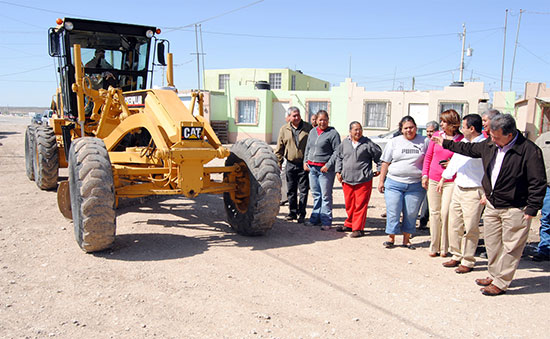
(275, 80)
(315, 106)
(293, 83)
(246, 111)
(222, 80)
(376, 114)
(460, 107)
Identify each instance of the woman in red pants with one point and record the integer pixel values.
(354, 159)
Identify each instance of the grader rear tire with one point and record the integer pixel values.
(256, 214)
(92, 194)
(46, 161)
(29, 151)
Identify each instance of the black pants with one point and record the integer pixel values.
(297, 180)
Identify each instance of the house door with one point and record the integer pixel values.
(419, 112)
(279, 115)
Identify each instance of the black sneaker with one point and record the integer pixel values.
(301, 220)
(540, 257)
(291, 217)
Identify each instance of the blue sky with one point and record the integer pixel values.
(389, 41)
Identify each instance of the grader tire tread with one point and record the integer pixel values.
(46, 162)
(265, 188)
(92, 194)
(29, 151)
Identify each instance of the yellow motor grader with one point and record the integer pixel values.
(121, 139)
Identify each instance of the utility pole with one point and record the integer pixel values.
(349, 73)
(462, 54)
(413, 83)
(503, 51)
(198, 59)
(202, 55)
(515, 48)
(394, 74)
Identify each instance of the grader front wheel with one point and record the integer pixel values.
(252, 209)
(92, 194)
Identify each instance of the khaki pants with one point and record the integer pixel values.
(506, 234)
(439, 216)
(464, 215)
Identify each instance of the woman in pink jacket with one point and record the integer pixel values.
(434, 163)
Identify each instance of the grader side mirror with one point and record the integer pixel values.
(53, 44)
(160, 53)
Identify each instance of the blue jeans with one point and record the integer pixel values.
(321, 190)
(544, 244)
(402, 199)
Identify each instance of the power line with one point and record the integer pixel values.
(27, 71)
(214, 17)
(42, 9)
(540, 13)
(20, 21)
(408, 77)
(336, 38)
(533, 54)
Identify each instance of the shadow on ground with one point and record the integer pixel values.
(204, 213)
(4, 134)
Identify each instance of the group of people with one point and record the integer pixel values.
(313, 156)
(466, 167)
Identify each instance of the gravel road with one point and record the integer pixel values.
(178, 271)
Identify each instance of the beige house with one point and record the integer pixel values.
(381, 111)
(532, 113)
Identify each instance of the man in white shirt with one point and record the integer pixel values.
(465, 209)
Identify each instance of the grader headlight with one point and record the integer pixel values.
(69, 25)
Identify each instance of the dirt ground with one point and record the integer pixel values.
(178, 271)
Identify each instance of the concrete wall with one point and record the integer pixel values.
(306, 82)
(504, 102)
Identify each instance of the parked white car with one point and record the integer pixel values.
(382, 139)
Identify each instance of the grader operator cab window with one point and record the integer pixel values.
(125, 51)
(113, 59)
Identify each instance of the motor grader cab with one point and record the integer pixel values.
(120, 138)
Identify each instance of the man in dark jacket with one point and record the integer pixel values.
(515, 184)
(291, 146)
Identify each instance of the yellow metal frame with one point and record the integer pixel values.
(171, 163)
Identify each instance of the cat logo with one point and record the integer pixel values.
(191, 133)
